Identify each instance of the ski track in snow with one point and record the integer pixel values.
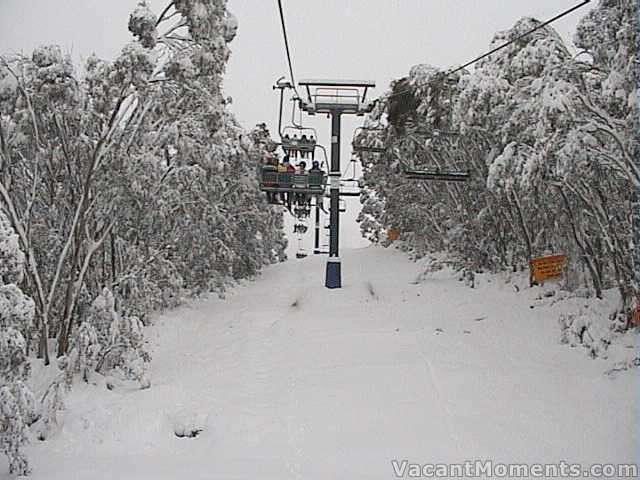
(288, 380)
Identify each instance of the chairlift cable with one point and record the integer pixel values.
(504, 45)
(287, 49)
(520, 37)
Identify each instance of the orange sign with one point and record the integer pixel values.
(636, 312)
(393, 234)
(544, 268)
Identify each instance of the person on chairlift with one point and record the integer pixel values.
(303, 143)
(282, 167)
(271, 165)
(315, 167)
(287, 197)
(316, 171)
(301, 198)
(312, 141)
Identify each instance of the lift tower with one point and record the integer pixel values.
(335, 98)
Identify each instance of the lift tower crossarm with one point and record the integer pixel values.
(347, 96)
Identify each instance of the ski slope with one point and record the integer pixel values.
(288, 380)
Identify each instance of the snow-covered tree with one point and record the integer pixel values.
(134, 177)
(548, 139)
(17, 405)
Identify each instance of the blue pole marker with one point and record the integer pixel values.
(334, 273)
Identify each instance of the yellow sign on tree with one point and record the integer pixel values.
(636, 312)
(549, 267)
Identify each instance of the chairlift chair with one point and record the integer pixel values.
(436, 175)
(301, 252)
(432, 170)
(302, 212)
(357, 147)
(300, 228)
(289, 182)
(298, 139)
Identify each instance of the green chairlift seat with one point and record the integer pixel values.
(283, 182)
(269, 177)
(436, 175)
(317, 181)
(300, 181)
(285, 179)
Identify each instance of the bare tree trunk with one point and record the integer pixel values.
(586, 256)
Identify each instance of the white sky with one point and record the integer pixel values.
(369, 39)
(364, 39)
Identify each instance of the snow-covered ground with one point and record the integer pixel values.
(288, 380)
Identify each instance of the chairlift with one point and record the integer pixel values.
(358, 148)
(437, 175)
(301, 252)
(302, 212)
(428, 174)
(300, 228)
(272, 181)
(298, 139)
(367, 149)
(289, 184)
(352, 163)
(350, 185)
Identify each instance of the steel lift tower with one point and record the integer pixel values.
(335, 98)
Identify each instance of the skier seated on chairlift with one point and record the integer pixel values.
(286, 167)
(312, 141)
(303, 143)
(315, 171)
(270, 165)
(294, 146)
(286, 143)
(315, 167)
(301, 198)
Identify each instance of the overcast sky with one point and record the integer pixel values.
(364, 39)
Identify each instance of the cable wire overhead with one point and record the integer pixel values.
(520, 37)
(506, 44)
(286, 46)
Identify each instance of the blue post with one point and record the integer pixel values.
(334, 274)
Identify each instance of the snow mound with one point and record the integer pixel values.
(188, 424)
